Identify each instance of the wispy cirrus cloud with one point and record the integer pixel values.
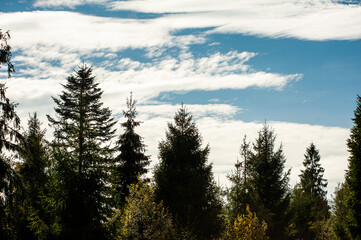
(182, 73)
(66, 3)
(309, 20)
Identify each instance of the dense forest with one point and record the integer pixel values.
(78, 185)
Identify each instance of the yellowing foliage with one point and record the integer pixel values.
(246, 227)
(144, 218)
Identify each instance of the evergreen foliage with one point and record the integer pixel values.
(340, 213)
(309, 204)
(270, 183)
(9, 139)
(5, 52)
(240, 193)
(184, 180)
(132, 161)
(83, 129)
(353, 176)
(312, 181)
(33, 178)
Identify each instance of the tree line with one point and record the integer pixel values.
(81, 186)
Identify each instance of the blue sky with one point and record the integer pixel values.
(233, 63)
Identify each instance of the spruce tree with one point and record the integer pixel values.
(9, 138)
(184, 179)
(5, 52)
(34, 153)
(340, 212)
(239, 195)
(132, 161)
(309, 204)
(83, 130)
(353, 175)
(32, 171)
(312, 181)
(270, 183)
(9, 180)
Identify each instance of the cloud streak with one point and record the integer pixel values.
(309, 20)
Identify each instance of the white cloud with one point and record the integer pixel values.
(51, 44)
(78, 32)
(310, 19)
(66, 3)
(41, 68)
(225, 137)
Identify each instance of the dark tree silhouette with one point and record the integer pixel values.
(83, 130)
(240, 193)
(270, 183)
(132, 161)
(353, 175)
(309, 204)
(184, 179)
(5, 52)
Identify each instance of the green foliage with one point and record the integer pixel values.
(82, 156)
(312, 181)
(5, 52)
(132, 161)
(340, 212)
(9, 139)
(324, 229)
(270, 183)
(309, 205)
(36, 220)
(246, 226)
(240, 193)
(184, 180)
(353, 176)
(143, 218)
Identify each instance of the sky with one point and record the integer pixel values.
(235, 64)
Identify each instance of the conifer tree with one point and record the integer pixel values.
(312, 181)
(340, 212)
(32, 172)
(5, 52)
(132, 161)
(353, 175)
(9, 139)
(184, 179)
(83, 129)
(239, 195)
(34, 154)
(309, 204)
(270, 183)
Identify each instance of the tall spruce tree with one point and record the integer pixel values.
(312, 181)
(132, 161)
(184, 179)
(240, 193)
(9, 138)
(309, 204)
(270, 183)
(83, 129)
(32, 179)
(353, 175)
